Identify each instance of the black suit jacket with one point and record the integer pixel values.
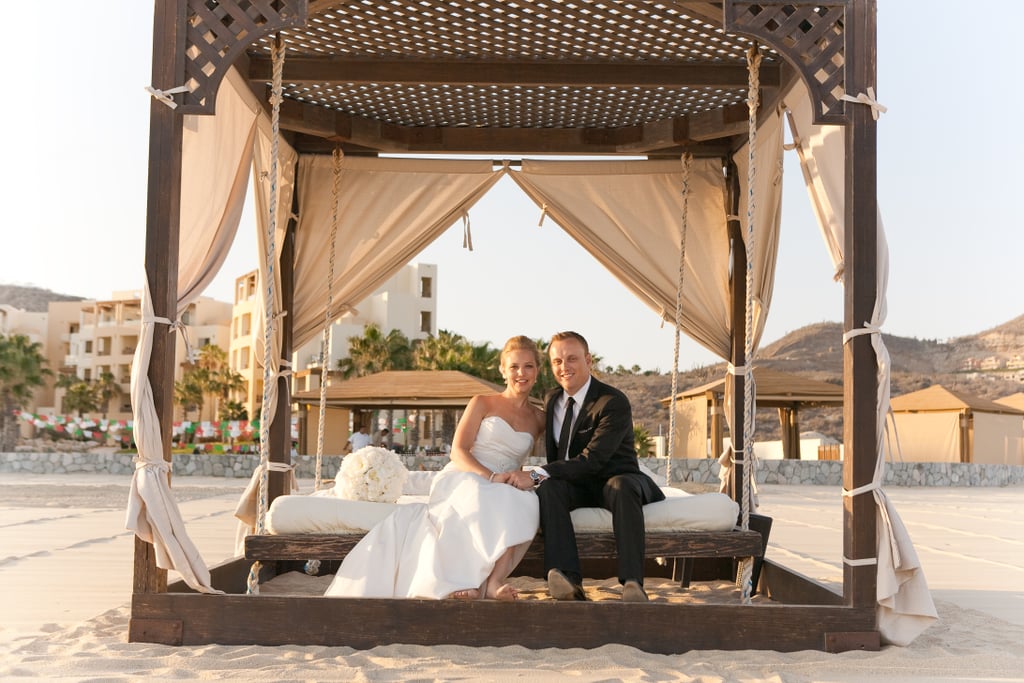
(602, 442)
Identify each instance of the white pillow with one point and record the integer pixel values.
(678, 512)
(324, 515)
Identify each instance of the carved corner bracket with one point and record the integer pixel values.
(218, 31)
(811, 36)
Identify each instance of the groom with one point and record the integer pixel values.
(591, 463)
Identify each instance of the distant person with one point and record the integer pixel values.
(591, 462)
(359, 439)
(477, 524)
(381, 437)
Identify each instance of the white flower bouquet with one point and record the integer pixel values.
(373, 474)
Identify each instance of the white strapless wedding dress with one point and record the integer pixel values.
(450, 543)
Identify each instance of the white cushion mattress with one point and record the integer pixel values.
(323, 513)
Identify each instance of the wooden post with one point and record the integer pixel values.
(860, 283)
(717, 433)
(738, 299)
(281, 428)
(162, 228)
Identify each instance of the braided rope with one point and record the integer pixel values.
(325, 342)
(753, 73)
(687, 161)
(277, 56)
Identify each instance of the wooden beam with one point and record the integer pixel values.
(714, 127)
(711, 12)
(366, 623)
(305, 70)
(860, 290)
(738, 308)
(593, 545)
(163, 204)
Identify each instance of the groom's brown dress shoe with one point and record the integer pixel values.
(561, 588)
(632, 591)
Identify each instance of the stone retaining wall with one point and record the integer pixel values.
(812, 472)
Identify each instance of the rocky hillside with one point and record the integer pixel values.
(33, 299)
(816, 351)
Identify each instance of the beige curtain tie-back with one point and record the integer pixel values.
(159, 466)
(866, 488)
(868, 99)
(850, 493)
(543, 214)
(165, 95)
(736, 369)
(191, 354)
(867, 329)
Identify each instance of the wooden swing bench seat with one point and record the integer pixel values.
(593, 545)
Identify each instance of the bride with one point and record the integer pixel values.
(476, 526)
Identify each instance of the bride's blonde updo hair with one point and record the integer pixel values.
(521, 343)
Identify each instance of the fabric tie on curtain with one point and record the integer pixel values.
(905, 605)
(152, 511)
(217, 151)
(563, 435)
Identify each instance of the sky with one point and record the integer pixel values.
(948, 173)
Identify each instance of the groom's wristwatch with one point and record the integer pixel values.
(535, 478)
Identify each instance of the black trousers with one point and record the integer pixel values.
(624, 495)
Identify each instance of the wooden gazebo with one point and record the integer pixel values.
(785, 391)
(492, 77)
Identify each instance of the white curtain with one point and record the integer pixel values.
(389, 210)
(905, 606)
(628, 216)
(216, 153)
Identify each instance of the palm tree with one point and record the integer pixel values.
(376, 352)
(106, 388)
(446, 351)
(81, 397)
(188, 393)
(22, 369)
(233, 410)
(483, 360)
(214, 375)
(642, 439)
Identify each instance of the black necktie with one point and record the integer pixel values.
(563, 436)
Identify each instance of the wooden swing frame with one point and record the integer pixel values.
(830, 44)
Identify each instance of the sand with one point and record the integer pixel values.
(65, 581)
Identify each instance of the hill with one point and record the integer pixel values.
(816, 351)
(32, 299)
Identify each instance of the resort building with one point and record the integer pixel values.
(89, 338)
(406, 302)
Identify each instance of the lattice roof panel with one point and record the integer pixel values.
(541, 29)
(513, 65)
(514, 106)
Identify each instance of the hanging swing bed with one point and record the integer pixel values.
(690, 86)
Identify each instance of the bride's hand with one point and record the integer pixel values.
(501, 477)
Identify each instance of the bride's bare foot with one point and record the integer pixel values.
(505, 593)
(468, 594)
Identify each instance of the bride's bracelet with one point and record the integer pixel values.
(491, 478)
